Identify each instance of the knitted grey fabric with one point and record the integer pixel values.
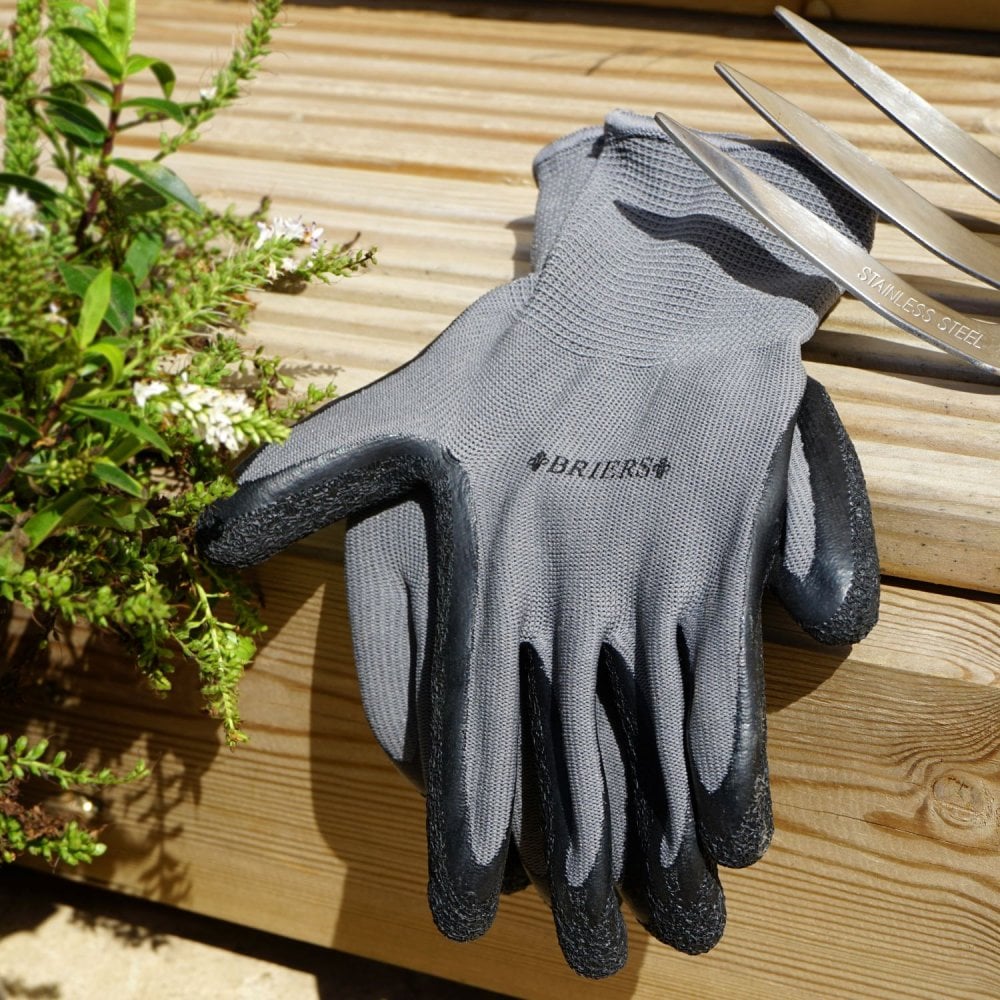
(387, 571)
(603, 455)
(386, 554)
(385, 551)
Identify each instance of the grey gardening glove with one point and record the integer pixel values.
(605, 477)
(827, 577)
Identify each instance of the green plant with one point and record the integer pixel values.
(125, 391)
(34, 831)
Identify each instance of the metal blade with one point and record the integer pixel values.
(844, 261)
(922, 120)
(870, 181)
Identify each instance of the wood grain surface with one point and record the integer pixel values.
(906, 13)
(415, 126)
(882, 880)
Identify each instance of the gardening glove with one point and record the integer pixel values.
(629, 512)
(836, 548)
(827, 578)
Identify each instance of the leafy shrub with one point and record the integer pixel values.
(125, 391)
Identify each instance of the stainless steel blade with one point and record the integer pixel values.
(844, 261)
(870, 181)
(922, 120)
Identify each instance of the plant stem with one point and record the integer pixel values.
(101, 173)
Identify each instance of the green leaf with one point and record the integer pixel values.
(122, 421)
(96, 300)
(92, 44)
(108, 472)
(66, 511)
(77, 278)
(121, 310)
(137, 63)
(123, 514)
(162, 180)
(157, 106)
(18, 428)
(142, 255)
(163, 72)
(75, 121)
(165, 77)
(29, 185)
(138, 199)
(120, 20)
(108, 352)
(97, 91)
(121, 307)
(68, 91)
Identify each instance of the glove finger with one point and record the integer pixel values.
(727, 748)
(389, 582)
(474, 740)
(527, 824)
(828, 578)
(387, 576)
(566, 764)
(615, 781)
(721, 647)
(268, 514)
(672, 888)
(367, 448)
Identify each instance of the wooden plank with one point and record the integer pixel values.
(419, 133)
(883, 879)
(971, 14)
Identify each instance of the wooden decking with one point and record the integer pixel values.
(416, 126)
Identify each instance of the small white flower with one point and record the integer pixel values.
(208, 93)
(289, 265)
(145, 391)
(265, 233)
(312, 235)
(291, 229)
(18, 204)
(281, 228)
(213, 414)
(272, 271)
(22, 212)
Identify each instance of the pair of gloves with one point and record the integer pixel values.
(562, 516)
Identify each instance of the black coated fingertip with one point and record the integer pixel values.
(685, 904)
(463, 894)
(268, 514)
(680, 903)
(736, 822)
(590, 929)
(687, 913)
(837, 600)
(463, 891)
(588, 920)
